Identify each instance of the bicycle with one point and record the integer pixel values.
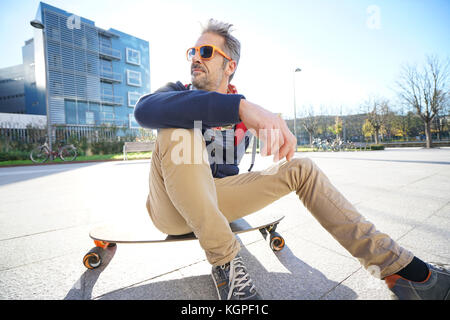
(41, 153)
(319, 144)
(337, 145)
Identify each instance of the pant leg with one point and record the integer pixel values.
(249, 192)
(182, 194)
(179, 201)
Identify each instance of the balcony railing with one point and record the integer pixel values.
(109, 53)
(109, 76)
(111, 100)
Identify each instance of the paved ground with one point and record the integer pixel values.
(46, 213)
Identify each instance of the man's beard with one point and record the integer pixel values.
(205, 83)
(201, 83)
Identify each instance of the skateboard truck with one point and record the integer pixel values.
(276, 241)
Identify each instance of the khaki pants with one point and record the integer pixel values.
(184, 197)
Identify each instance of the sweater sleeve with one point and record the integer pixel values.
(175, 107)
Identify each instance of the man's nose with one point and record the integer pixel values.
(197, 57)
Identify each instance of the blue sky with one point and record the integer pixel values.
(347, 50)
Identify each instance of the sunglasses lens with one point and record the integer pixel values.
(191, 53)
(206, 52)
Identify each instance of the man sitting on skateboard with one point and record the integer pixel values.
(189, 193)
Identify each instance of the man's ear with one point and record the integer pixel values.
(231, 68)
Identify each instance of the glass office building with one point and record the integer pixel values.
(12, 94)
(94, 76)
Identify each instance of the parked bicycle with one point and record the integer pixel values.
(41, 153)
(337, 144)
(319, 144)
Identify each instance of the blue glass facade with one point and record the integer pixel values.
(95, 76)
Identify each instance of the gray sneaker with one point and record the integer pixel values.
(233, 281)
(435, 287)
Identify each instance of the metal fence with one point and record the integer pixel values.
(32, 135)
(28, 135)
(77, 133)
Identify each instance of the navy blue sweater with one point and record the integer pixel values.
(175, 106)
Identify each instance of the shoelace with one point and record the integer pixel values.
(239, 278)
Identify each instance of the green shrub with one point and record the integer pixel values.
(377, 147)
(14, 155)
(82, 145)
(107, 147)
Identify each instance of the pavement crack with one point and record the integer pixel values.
(420, 223)
(37, 233)
(338, 284)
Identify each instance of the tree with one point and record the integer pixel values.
(337, 127)
(426, 90)
(367, 129)
(396, 127)
(377, 109)
(353, 126)
(390, 125)
(310, 122)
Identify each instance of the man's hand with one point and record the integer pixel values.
(269, 128)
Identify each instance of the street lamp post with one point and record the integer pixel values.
(39, 25)
(295, 107)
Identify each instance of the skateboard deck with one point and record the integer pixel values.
(109, 235)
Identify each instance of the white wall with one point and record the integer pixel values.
(20, 121)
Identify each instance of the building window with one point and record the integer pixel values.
(71, 112)
(133, 57)
(107, 89)
(134, 78)
(108, 116)
(106, 65)
(133, 98)
(105, 41)
(90, 119)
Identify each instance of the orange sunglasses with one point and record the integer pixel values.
(206, 52)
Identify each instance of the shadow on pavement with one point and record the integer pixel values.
(17, 174)
(302, 282)
(82, 289)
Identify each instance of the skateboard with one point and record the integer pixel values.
(108, 236)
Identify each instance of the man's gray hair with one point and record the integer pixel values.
(232, 45)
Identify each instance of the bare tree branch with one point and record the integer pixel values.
(425, 90)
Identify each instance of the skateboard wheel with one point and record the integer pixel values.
(93, 258)
(276, 241)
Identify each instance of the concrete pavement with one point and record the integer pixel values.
(46, 213)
